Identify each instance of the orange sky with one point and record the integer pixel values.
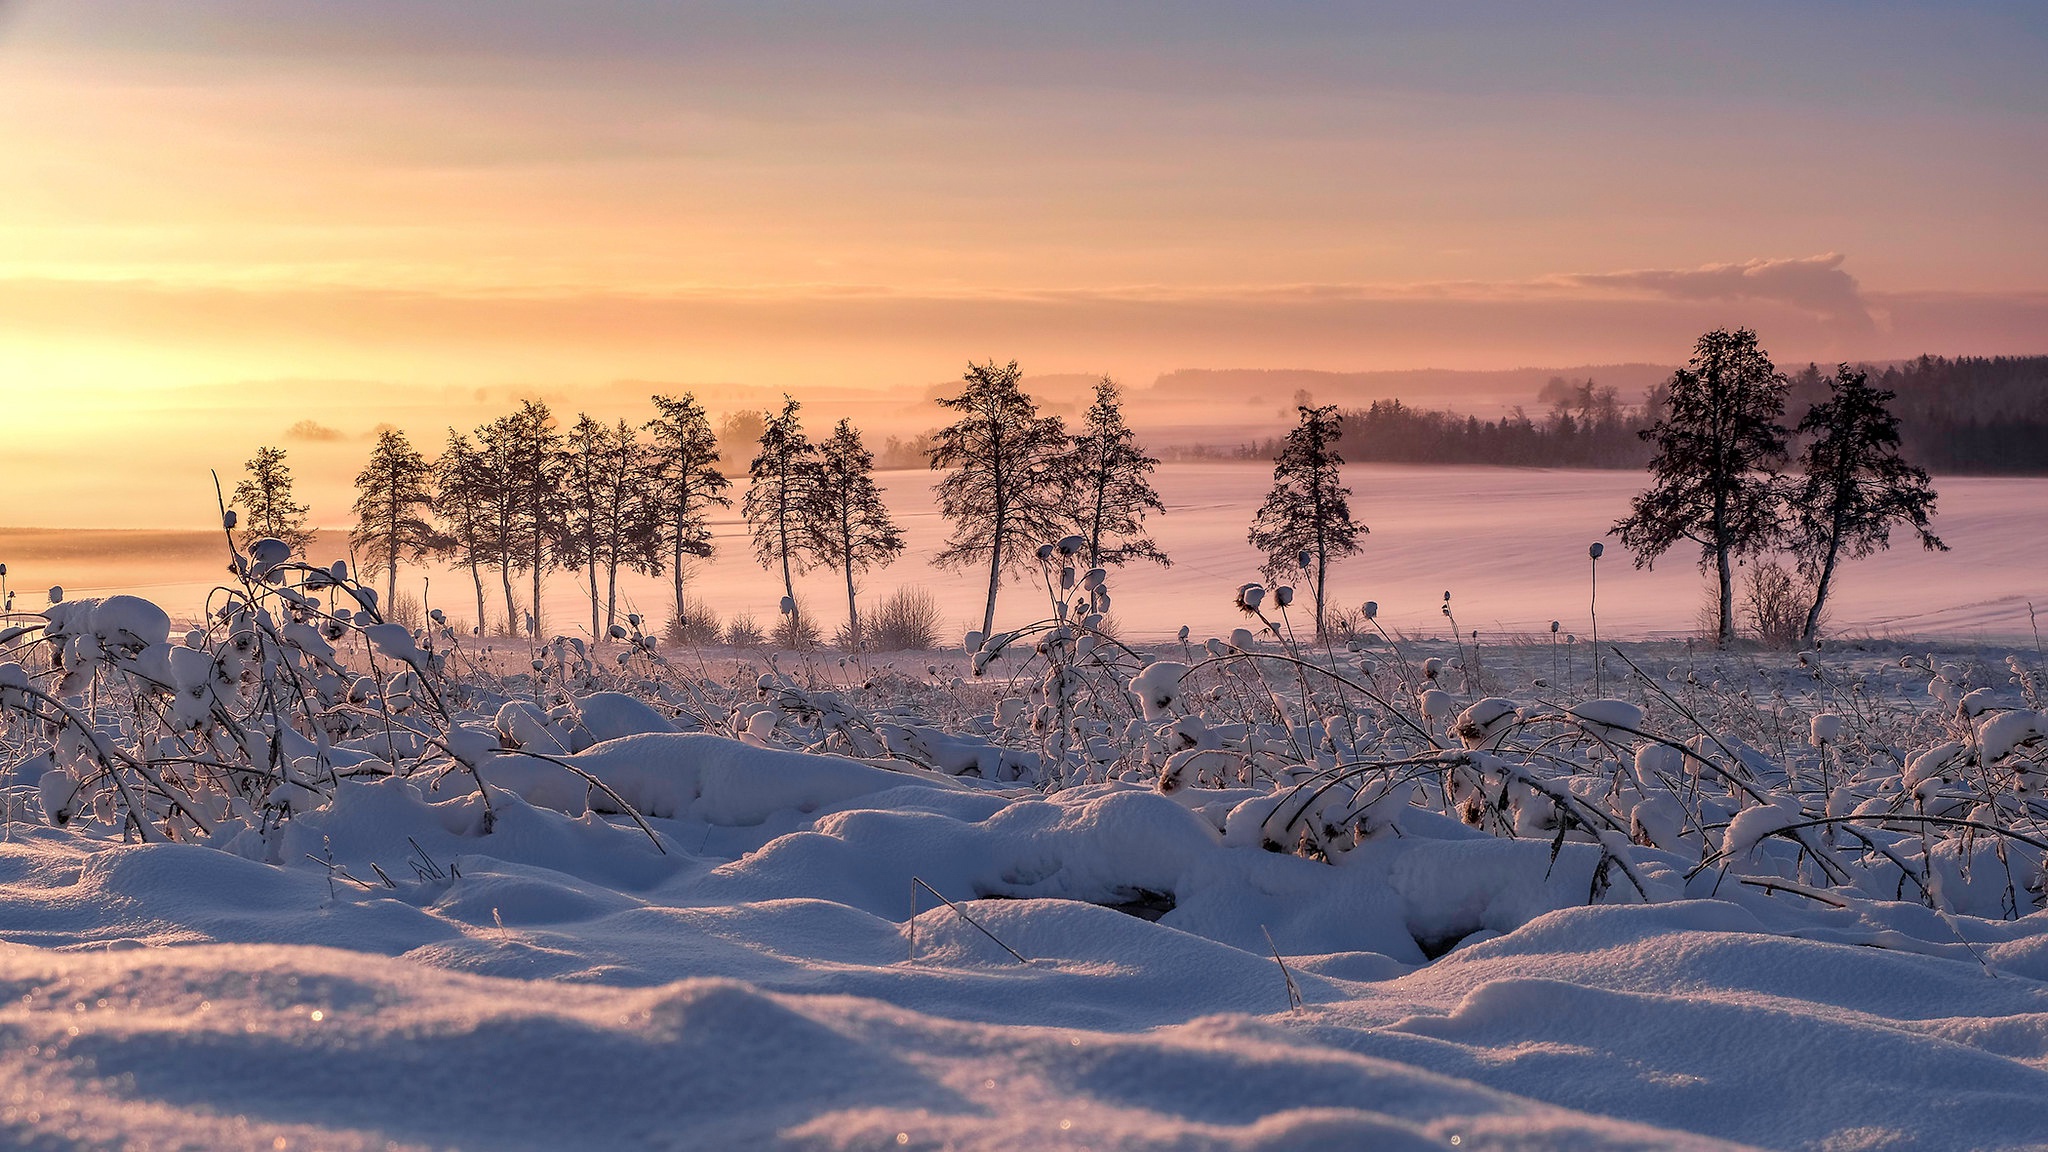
(220, 217)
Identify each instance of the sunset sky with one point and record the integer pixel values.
(222, 216)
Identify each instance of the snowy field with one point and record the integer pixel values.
(1509, 544)
(301, 879)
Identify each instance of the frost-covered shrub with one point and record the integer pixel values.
(742, 632)
(908, 620)
(797, 630)
(698, 627)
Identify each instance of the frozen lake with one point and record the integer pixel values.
(1509, 544)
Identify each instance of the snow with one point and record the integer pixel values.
(1518, 562)
(1740, 899)
(564, 984)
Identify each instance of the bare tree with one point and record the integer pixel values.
(393, 494)
(1113, 482)
(784, 477)
(1715, 479)
(1306, 519)
(1857, 486)
(1009, 486)
(265, 495)
(850, 528)
(686, 482)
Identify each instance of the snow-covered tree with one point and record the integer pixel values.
(610, 517)
(849, 526)
(784, 487)
(1009, 488)
(538, 497)
(1857, 486)
(268, 509)
(460, 499)
(685, 483)
(1306, 520)
(1715, 477)
(1113, 485)
(393, 495)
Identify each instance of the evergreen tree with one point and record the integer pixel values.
(1112, 478)
(784, 487)
(1856, 487)
(686, 483)
(587, 474)
(508, 536)
(1714, 478)
(632, 535)
(393, 495)
(1009, 488)
(265, 496)
(459, 502)
(1306, 519)
(850, 529)
(538, 499)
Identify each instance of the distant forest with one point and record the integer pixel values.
(1958, 416)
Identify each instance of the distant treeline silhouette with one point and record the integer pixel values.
(1972, 414)
(1968, 415)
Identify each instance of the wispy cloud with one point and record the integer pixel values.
(1816, 284)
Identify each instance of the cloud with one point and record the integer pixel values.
(313, 431)
(1814, 284)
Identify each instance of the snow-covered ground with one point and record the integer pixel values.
(754, 988)
(297, 878)
(1509, 544)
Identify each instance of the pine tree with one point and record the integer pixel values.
(784, 477)
(1009, 488)
(265, 495)
(686, 483)
(1714, 478)
(1112, 478)
(394, 492)
(508, 533)
(1857, 486)
(632, 536)
(849, 527)
(1306, 519)
(538, 497)
(459, 502)
(587, 473)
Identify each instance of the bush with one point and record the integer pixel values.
(742, 632)
(796, 630)
(1773, 604)
(405, 608)
(698, 626)
(907, 621)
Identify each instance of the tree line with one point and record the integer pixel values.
(519, 496)
(522, 497)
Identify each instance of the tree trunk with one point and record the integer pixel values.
(852, 614)
(995, 573)
(611, 593)
(591, 567)
(1725, 634)
(511, 609)
(536, 629)
(391, 568)
(476, 576)
(1820, 588)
